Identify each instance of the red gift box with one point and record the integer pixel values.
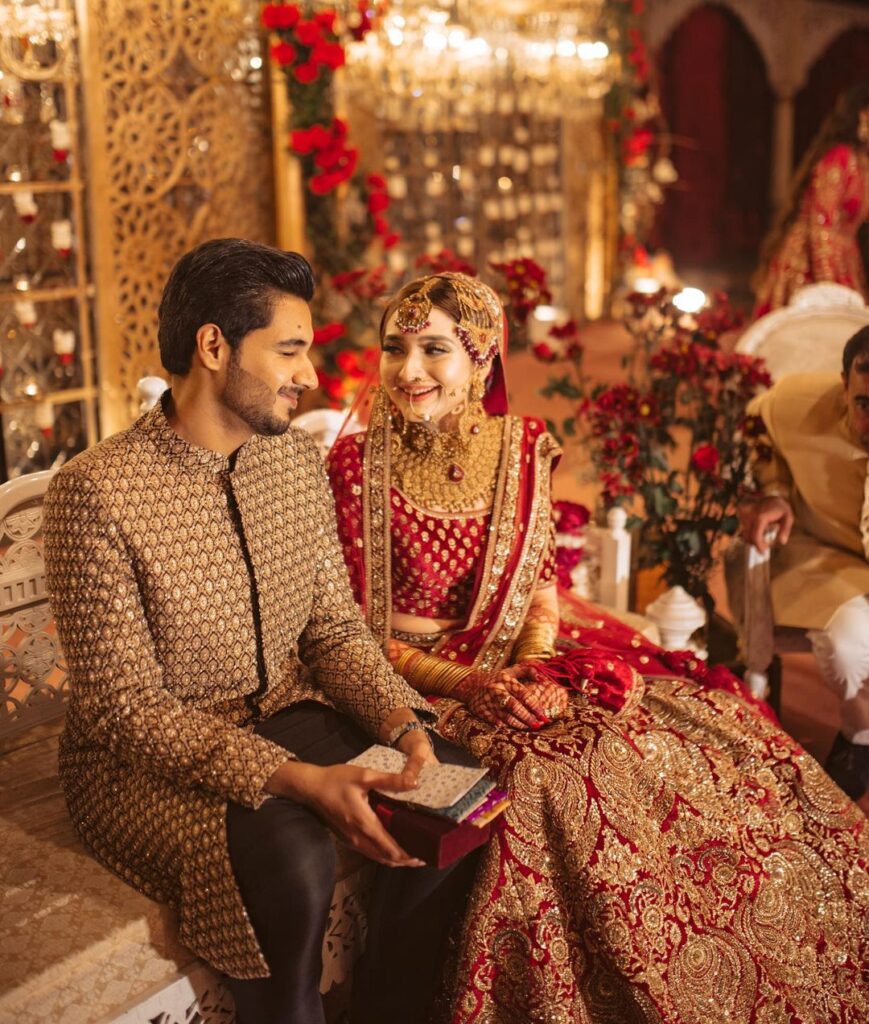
(437, 841)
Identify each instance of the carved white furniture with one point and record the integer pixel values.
(806, 336)
(78, 945)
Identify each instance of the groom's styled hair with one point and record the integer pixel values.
(232, 283)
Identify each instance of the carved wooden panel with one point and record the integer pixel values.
(179, 152)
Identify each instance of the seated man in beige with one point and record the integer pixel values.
(816, 492)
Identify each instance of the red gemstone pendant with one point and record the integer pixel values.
(456, 473)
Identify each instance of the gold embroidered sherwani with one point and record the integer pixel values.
(821, 470)
(195, 594)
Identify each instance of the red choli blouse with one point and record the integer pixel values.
(436, 558)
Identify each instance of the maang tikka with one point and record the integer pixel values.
(479, 324)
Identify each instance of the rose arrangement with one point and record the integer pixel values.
(675, 444)
(672, 444)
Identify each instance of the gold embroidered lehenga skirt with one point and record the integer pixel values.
(686, 863)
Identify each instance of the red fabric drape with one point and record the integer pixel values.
(718, 105)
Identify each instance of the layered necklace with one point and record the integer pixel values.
(450, 471)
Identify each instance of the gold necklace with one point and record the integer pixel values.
(449, 471)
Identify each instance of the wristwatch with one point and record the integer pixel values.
(403, 728)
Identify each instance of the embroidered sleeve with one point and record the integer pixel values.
(349, 665)
(118, 699)
(344, 469)
(836, 194)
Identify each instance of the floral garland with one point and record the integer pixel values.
(635, 123)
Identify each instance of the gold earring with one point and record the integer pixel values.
(477, 390)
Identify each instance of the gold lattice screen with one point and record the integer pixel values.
(178, 152)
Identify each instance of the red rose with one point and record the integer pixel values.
(280, 16)
(333, 385)
(572, 517)
(566, 560)
(306, 140)
(347, 279)
(543, 352)
(564, 331)
(320, 184)
(375, 181)
(328, 332)
(308, 33)
(330, 54)
(306, 73)
(378, 202)
(326, 20)
(351, 362)
(283, 53)
(705, 458)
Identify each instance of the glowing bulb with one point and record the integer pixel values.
(646, 285)
(593, 51)
(689, 300)
(547, 314)
(435, 41)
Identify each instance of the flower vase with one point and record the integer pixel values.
(677, 616)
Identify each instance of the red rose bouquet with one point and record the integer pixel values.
(672, 446)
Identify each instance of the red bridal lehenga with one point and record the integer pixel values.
(669, 855)
(822, 244)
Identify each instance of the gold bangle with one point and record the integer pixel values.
(429, 673)
(536, 640)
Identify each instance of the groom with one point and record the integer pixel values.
(221, 674)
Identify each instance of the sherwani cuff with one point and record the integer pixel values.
(249, 768)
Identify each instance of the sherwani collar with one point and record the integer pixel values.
(155, 424)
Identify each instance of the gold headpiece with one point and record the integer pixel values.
(479, 326)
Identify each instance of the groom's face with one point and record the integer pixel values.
(270, 369)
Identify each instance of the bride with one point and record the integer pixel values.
(669, 853)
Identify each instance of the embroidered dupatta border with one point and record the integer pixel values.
(503, 631)
(376, 517)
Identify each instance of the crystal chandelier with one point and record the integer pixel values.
(462, 58)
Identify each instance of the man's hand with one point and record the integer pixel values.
(339, 795)
(418, 748)
(513, 697)
(758, 517)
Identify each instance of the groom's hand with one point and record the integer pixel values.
(339, 795)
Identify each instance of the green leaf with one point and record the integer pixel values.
(561, 386)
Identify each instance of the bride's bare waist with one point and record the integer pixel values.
(423, 640)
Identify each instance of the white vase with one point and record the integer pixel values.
(677, 615)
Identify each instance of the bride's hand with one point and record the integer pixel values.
(512, 697)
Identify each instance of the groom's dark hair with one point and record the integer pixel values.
(232, 283)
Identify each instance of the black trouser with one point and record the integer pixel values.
(284, 857)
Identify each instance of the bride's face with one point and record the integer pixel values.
(426, 375)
